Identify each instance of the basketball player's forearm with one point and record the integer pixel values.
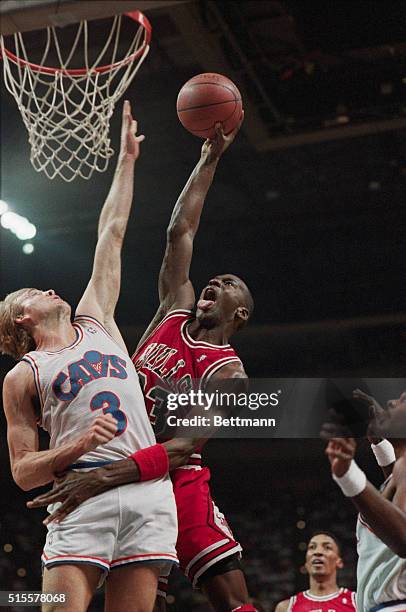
(126, 471)
(117, 207)
(36, 469)
(188, 209)
(386, 520)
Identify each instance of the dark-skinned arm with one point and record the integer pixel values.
(386, 517)
(74, 488)
(174, 285)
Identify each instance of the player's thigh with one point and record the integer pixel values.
(225, 591)
(78, 582)
(132, 588)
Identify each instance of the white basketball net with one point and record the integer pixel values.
(67, 115)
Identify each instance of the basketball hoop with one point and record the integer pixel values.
(67, 110)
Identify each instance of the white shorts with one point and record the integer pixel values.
(134, 523)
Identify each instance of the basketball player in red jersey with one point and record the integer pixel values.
(323, 559)
(176, 348)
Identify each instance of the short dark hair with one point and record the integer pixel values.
(330, 535)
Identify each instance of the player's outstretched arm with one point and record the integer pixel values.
(75, 488)
(175, 288)
(30, 467)
(387, 518)
(102, 293)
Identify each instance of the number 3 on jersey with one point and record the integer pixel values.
(110, 404)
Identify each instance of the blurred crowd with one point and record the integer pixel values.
(273, 536)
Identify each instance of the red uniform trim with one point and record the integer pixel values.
(34, 367)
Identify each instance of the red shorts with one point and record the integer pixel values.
(204, 537)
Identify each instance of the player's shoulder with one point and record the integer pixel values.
(19, 379)
(174, 317)
(234, 370)
(20, 371)
(283, 606)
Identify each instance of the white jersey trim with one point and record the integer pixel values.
(292, 602)
(171, 314)
(205, 567)
(214, 367)
(308, 595)
(204, 552)
(187, 338)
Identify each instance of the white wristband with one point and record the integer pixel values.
(353, 482)
(384, 453)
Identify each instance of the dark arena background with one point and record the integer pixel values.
(308, 206)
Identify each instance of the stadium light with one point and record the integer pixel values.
(3, 207)
(28, 248)
(18, 225)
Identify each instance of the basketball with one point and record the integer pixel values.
(207, 99)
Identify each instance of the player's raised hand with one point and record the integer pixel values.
(375, 411)
(340, 452)
(102, 430)
(213, 149)
(130, 142)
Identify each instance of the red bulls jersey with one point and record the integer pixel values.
(342, 601)
(170, 359)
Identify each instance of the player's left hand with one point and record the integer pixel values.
(213, 149)
(130, 142)
(72, 490)
(340, 452)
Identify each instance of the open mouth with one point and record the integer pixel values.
(208, 299)
(210, 294)
(317, 562)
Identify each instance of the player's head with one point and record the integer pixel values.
(391, 423)
(323, 555)
(225, 299)
(21, 312)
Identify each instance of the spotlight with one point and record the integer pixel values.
(28, 248)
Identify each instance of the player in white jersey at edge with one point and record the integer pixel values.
(78, 381)
(381, 527)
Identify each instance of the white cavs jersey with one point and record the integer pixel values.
(91, 377)
(133, 523)
(381, 575)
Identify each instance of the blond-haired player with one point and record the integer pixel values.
(79, 382)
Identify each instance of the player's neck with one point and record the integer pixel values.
(214, 335)
(323, 587)
(54, 336)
